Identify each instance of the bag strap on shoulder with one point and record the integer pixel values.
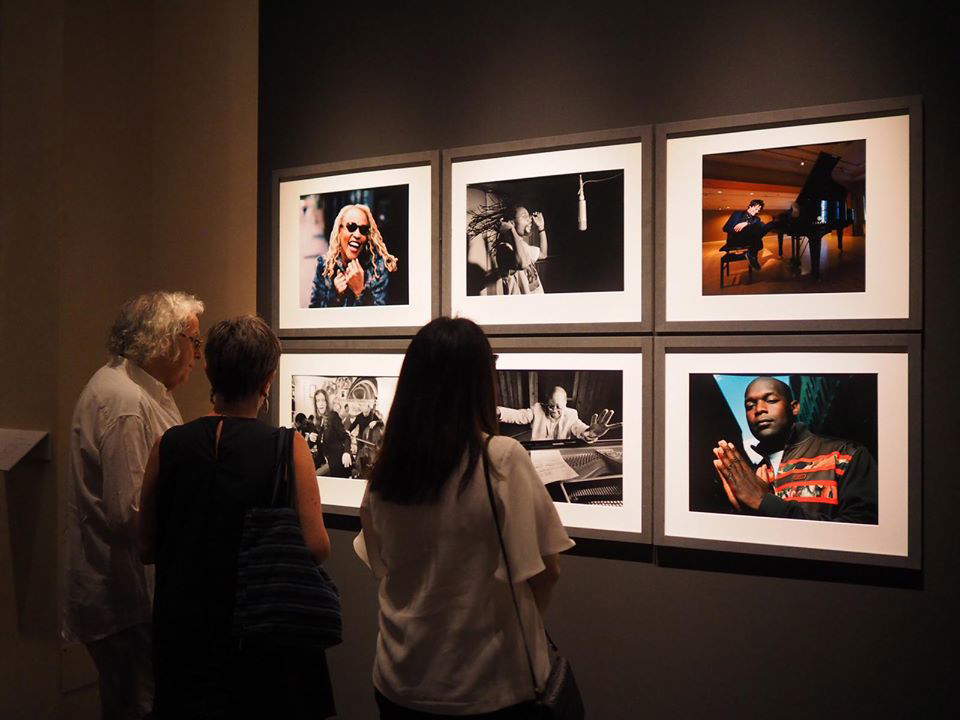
(506, 564)
(283, 494)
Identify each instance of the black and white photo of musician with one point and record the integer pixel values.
(553, 420)
(533, 236)
(570, 421)
(345, 427)
(570, 405)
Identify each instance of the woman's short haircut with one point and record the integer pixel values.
(147, 326)
(241, 353)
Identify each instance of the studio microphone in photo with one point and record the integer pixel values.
(581, 208)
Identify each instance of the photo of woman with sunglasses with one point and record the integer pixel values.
(356, 268)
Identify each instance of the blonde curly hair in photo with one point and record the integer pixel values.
(375, 244)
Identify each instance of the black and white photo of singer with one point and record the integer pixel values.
(745, 229)
(517, 252)
(521, 242)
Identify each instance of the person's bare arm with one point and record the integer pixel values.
(147, 513)
(525, 254)
(542, 584)
(308, 501)
(539, 223)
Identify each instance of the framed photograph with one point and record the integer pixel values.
(551, 235)
(795, 446)
(339, 400)
(356, 246)
(797, 219)
(597, 469)
(583, 415)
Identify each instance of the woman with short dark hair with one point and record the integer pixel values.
(450, 642)
(200, 480)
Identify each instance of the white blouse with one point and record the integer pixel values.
(449, 638)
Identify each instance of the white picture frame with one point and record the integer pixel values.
(892, 295)
(893, 540)
(627, 151)
(419, 174)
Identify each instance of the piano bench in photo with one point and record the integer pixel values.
(734, 254)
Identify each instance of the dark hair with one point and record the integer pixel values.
(445, 401)
(327, 407)
(755, 201)
(785, 390)
(241, 353)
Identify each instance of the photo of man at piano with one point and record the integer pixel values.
(745, 230)
(798, 447)
(567, 420)
(553, 420)
(813, 196)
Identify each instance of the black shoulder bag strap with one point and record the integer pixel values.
(283, 495)
(506, 563)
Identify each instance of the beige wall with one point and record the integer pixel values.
(127, 162)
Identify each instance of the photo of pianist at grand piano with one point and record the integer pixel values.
(785, 220)
(532, 236)
(798, 447)
(568, 421)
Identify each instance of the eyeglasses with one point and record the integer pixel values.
(352, 227)
(194, 340)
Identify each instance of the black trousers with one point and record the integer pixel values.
(750, 238)
(389, 710)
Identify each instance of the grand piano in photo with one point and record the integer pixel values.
(574, 471)
(820, 209)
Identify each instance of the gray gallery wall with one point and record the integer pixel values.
(662, 634)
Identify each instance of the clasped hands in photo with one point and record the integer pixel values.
(352, 277)
(742, 484)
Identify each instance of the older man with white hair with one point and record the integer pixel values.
(556, 421)
(124, 408)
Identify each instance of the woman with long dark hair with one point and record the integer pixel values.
(333, 441)
(450, 641)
